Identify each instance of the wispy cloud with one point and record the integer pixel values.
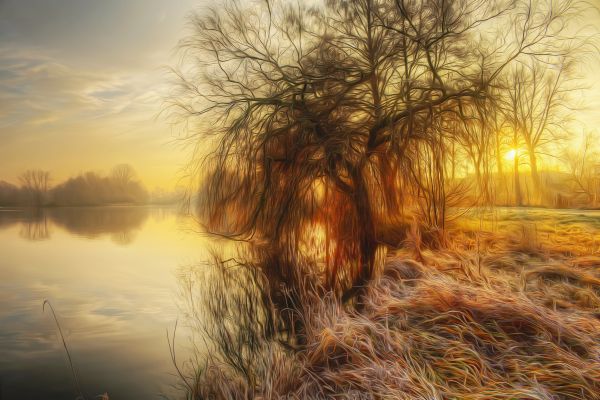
(37, 89)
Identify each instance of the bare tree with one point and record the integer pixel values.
(583, 167)
(538, 99)
(36, 183)
(513, 98)
(123, 174)
(337, 115)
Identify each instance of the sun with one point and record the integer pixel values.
(511, 154)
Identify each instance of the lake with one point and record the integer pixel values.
(111, 274)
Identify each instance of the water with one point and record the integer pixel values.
(111, 275)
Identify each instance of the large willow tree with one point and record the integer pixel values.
(330, 118)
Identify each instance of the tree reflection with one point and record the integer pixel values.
(120, 223)
(36, 227)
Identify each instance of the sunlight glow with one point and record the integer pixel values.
(512, 153)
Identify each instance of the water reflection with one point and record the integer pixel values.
(119, 223)
(114, 302)
(36, 228)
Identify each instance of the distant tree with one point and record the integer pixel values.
(123, 174)
(477, 130)
(91, 188)
(10, 195)
(36, 184)
(512, 112)
(538, 92)
(583, 163)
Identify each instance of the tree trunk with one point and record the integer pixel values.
(518, 195)
(479, 182)
(535, 176)
(366, 232)
(500, 171)
(365, 236)
(453, 165)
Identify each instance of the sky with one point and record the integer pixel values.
(82, 84)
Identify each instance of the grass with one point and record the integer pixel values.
(509, 310)
(74, 374)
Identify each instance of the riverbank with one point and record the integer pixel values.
(495, 315)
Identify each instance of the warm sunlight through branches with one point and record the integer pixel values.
(322, 199)
(511, 154)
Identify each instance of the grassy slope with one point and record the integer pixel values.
(497, 316)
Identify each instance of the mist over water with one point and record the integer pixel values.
(111, 274)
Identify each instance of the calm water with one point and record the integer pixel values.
(111, 275)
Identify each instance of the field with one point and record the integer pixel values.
(509, 309)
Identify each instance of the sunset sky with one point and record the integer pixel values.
(82, 82)
(81, 86)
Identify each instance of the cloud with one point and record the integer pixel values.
(37, 89)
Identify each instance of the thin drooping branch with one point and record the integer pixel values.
(340, 115)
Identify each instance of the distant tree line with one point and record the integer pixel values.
(120, 186)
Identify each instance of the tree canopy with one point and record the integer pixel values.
(331, 119)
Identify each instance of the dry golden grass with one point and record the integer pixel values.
(514, 315)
